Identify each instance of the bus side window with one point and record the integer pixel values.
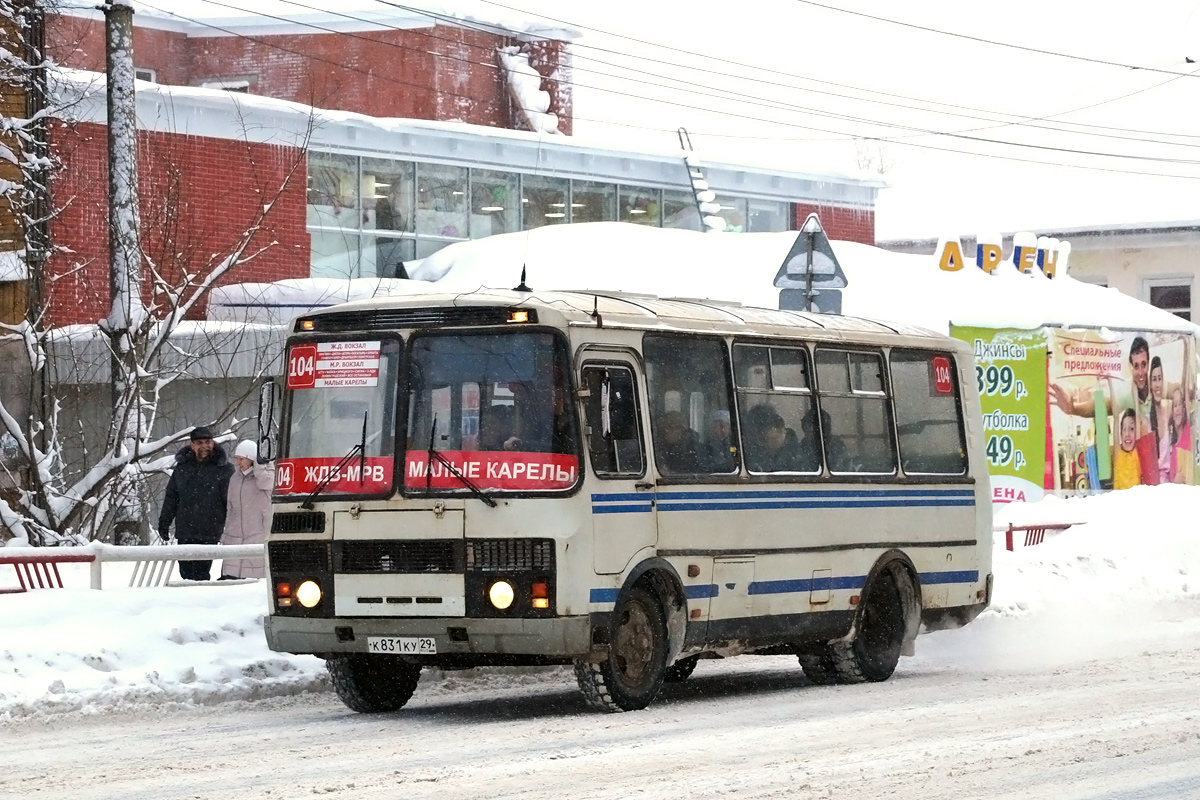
(776, 409)
(855, 414)
(614, 436)
(688, 383)
(928, 413)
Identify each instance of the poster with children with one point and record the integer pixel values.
(1122, 408)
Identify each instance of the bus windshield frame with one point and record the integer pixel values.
(498, 405)
(330, 383)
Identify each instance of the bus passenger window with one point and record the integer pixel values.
(928, 413)
(614, 436)
(689, 398)
(775, 403)
(858, 429)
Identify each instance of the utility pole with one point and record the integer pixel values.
(125, 271)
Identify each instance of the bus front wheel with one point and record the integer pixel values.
(371, 684)
(631, 676)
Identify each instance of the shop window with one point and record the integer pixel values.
(680, 211)
(387, 195)
(593, 202)
(543, 201)
(386, 256)
(733, 211)
(442, 200)
(639, 205)
(687, 378)
(855, 419)
(494, 203)
(334, 254)
(767, 216)
(1171, 295)
(145, 74)
(332, 191)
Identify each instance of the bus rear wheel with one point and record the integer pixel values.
(372, 684)
(632, 675)
(875, 651)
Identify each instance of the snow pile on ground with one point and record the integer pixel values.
(1127, 579)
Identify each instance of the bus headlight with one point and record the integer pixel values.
(501, 594)
(309, 594)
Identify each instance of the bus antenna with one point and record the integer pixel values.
(596, 311)
(522, 287)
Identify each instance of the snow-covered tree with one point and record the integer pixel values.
(149, 340)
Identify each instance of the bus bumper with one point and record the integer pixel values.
(558, 637)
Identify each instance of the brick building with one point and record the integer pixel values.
(421, 140)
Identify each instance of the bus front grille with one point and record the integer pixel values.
(298, 522)
(403, 557)
(299, 557)
(510, 555)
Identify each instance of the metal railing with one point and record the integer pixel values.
(37, 567)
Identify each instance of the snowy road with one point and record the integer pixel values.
(1124, 726)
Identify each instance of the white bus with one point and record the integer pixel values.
(623, 483)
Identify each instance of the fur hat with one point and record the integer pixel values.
(246, 449)
(200, 433)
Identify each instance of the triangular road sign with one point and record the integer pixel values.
(811, 253)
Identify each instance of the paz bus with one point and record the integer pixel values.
(623, 483)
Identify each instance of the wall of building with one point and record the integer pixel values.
(199, 196)
(13, 103)
(441, 73)
(840, 222)
(1133, 270)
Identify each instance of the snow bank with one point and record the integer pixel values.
(883, 285)
(1127, 579)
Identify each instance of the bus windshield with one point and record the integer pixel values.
(337, 391)
(496, 408)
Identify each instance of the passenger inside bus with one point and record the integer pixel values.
(835, 449)
(678, 445)
(542, 421)
(771, 446)
(719, 452)
(495, 427)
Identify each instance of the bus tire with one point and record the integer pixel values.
(819, 665)
(873, 654)
(631, 676)
(372, 684)
(681, 670)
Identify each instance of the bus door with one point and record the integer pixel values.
(622, 498)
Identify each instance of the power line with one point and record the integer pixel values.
(981, 40)
(679, 104)
(793, 76)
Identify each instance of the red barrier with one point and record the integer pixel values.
(40, 570)
(1034, 534)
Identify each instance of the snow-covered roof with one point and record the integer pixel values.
(194, 111)
(200, 18)
(895, 287)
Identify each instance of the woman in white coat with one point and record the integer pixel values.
(248, 512)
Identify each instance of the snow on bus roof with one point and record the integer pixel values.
(896, 288)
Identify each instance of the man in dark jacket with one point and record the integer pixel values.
(195, 499)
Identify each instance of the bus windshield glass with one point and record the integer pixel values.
(337, 390)
(496, 409)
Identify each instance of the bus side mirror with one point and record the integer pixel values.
(618, 411)
(266, 421)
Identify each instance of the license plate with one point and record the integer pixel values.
(402, 645)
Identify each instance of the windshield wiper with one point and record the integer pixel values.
(360, 450)
(453, 470)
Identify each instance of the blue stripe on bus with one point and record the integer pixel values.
(703, 591)
(806, 585)
(624, 508)
(640, 503)
(751, 505)
(962, 576)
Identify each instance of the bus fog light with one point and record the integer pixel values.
(501, 594)
(541, 602)
(308, 593)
